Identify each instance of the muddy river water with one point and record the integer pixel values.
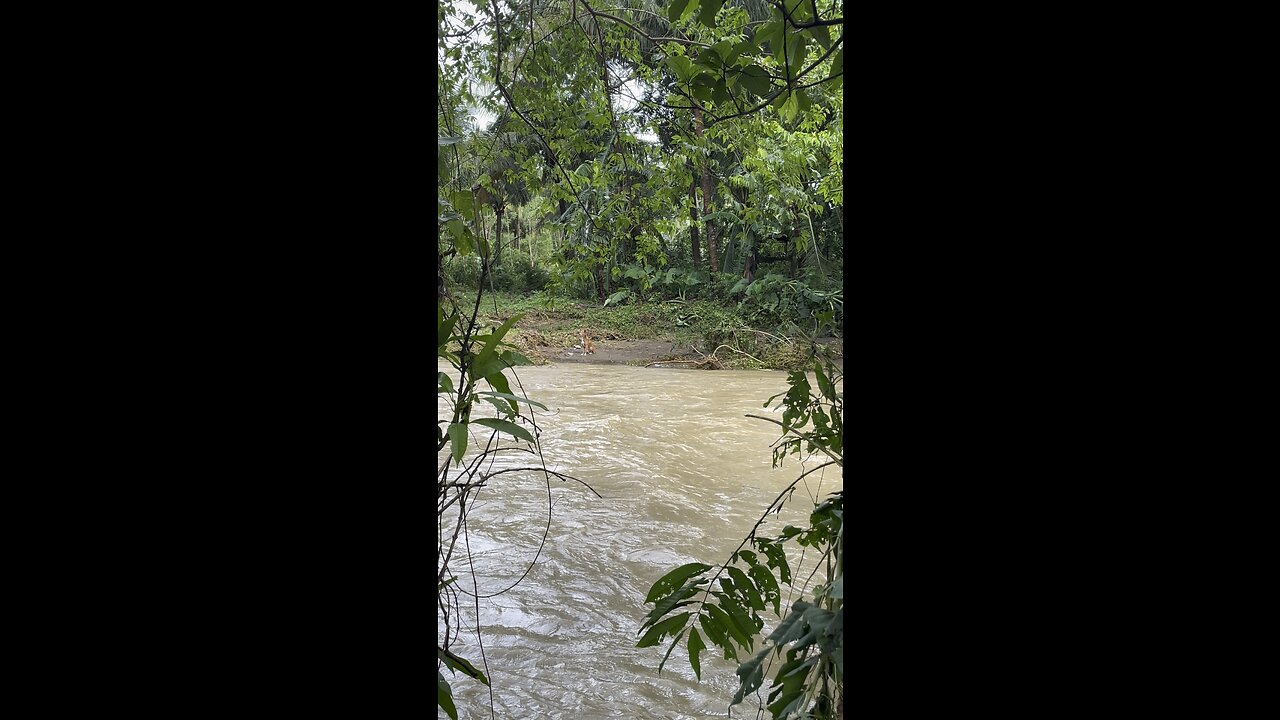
(683, 475)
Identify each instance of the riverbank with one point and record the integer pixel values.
(677, 334)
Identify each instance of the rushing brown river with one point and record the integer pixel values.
(684, 476)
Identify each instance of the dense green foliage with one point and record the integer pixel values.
(642, 152)
(680, 157)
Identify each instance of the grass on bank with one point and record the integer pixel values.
(703, 325)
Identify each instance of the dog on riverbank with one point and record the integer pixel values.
(587, 345)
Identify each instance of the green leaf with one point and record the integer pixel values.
(463, 202)
(444, 330)
(740, 625)
(513, 358)
(777, 559)
(723, 621)
(675, 579)
(721, 92)
(499, 383)
(755, 79)
(709, 10)
(824, 384)
(737, 50)
(501, 407)
(791, 628)
(747, 588)
(444, 696)
(458, 435)
(716, 631)
(768, 586)
(710, 57)
(514, 398)
(695, 649)
(670, 626)
(823, 36)
(770, 33)
(837, 62)
(790, 108)
(445, 382)
(505, 426)
(751, 674)
(453, 662)
(676, 9)
(671, 602)
(485, 364)
(681, 66)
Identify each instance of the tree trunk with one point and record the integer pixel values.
(497, 236)
(792, 255)
(707, 207)
(693, 227)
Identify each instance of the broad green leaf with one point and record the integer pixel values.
(462, 237)
(790, 108)
(737, 613)
(797, 47)
(453, 662)
(463, 202)
(768, 585)
(695, 649)
(716, 631)
(710, 57)
(681, 66)
(777, 559)
(444, 696)
(755, 79)
(791, 628)
(837, 62)
(720, 93)
(824, 384)
(731, 56)
(709, 10)
(484, 364)
(790, 696)
(732, 619)
(823, 36)
(505, 426)
(670, 626)
(676, 8)
(674, 580)
(511, 357)
(723, 621)
(514, 398)
(746, 588)
(501, 407)
(499, 383)
(445, 383)
(444, 330)
(671, 602)
(751, 674)
(769, 34)
(458, 436)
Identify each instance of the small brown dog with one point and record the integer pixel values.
(587, 345)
